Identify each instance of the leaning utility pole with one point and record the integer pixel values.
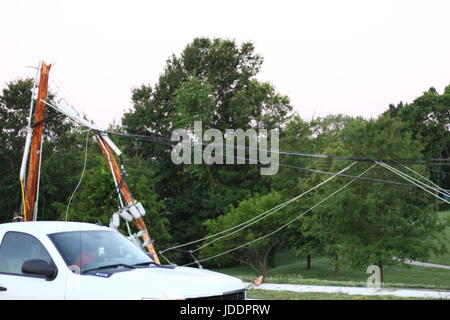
(130, 209)
(127, 200)
(36, 144)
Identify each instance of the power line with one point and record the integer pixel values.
(438, 171)
(437, 188)
(414, 181)
(283, 226)
(270, 213)
(255, 219)
(166, 142)
(82, 174)
(292, 153)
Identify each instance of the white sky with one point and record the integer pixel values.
(351, 57)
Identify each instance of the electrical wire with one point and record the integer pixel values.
(441, 172)
(82, 174)
(167, 141)
(410, 179)
(437, 188)
(283, 226)
(418, 183)
(159, 141)
(292, 153)
(240, 227)
(255, 219)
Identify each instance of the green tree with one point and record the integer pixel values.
(212, 81)
(97, 198)
(371, 223)
(61, 169)
(428, 119)
(257, 254)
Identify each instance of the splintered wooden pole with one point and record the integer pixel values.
(125, 192)
(34, 161)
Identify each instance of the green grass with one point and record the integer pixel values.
(292, 269)
(288, 295)
(322, 273)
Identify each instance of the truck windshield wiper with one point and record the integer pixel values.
(109, 266)
(145, 264)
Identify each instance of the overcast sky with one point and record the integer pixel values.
(350, 57)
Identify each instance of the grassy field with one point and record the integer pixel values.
(292, 269)
(287, 295)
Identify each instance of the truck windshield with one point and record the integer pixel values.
(93, 249)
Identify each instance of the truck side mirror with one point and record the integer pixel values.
(40, 267)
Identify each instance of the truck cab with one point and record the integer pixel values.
(71, 260)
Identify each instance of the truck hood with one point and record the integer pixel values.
(157, 282)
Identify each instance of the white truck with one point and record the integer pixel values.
(72, 260)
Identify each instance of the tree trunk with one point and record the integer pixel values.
(263, 270)
(308, 262)
(336, 266)
(271, 257)
(265, 260)
(380, 265)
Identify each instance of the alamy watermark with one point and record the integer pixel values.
(374, 281)
(230, 147)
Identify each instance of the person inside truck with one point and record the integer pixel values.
(88, 254)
